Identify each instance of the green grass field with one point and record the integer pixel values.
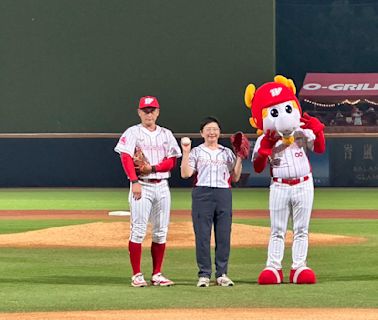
(99, 279)
(114, 199)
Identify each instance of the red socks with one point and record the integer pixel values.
(135, 251)
(157, 252)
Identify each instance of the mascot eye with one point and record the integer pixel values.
(274, 113)
(288, 109)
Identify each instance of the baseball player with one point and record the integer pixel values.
(149, 196)
(286, 139)
(214, 167)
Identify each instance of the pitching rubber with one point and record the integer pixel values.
(119, 213)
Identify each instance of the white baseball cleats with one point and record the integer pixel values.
(224, 281)
(203, 282)
(159, 280)
(137, 280)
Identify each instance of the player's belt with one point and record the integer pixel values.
(152, 180)
(291, 182)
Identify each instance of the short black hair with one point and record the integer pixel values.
(208, 120)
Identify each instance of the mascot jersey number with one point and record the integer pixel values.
(285, 138)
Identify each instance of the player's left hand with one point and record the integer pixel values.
(312, 123)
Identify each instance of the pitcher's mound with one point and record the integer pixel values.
(180, 234)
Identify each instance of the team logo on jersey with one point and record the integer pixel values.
(148, 100)
(275, 91)
(123, 140)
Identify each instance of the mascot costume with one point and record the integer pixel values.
(285, 137)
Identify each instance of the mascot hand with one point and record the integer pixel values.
(317, 127)
(267, 143)
(312, 123)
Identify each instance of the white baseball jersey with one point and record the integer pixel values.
(213, 167)
(156, 146)
(293, 162)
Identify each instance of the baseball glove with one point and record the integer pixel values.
(140, 162)
(240, 144)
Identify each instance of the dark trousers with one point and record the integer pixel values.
(212, 206)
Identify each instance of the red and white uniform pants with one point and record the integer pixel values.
(154, 207)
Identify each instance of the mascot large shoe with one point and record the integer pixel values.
(303, 275)
(270, 276)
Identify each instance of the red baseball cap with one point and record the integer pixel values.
(269, 94)
(148, 101)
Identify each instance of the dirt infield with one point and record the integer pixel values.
(115, 233)
(181, 235)
(208, 314)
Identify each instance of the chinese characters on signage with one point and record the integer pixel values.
(363, 161)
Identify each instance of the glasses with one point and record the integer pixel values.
(211, 130)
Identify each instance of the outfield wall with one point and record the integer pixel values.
(88, 160)
(82, 65)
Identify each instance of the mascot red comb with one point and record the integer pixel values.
(285, 138)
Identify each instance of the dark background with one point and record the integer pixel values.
(81, 65)
(339, 36)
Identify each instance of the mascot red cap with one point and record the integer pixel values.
(269, 94)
